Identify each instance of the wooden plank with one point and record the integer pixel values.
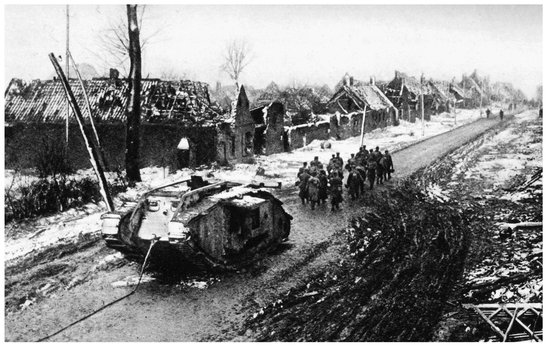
(537, 306)
(495, 313)
(523, 326)
(510, 325)
(493, 326)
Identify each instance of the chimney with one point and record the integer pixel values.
(396, 74)
(372, 80)
(351, 80)
(346, 79)
(114, 74)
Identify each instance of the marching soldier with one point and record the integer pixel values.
(371, 168)
(322, 177)
(302, 169)
(335, 184)
(363, 176)
(340, 161)
(353, 183)
(303, 186)
(351, 163)
(316, 164)
(313, 189)
(389, 164)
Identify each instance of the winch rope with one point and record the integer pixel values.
(152, 243)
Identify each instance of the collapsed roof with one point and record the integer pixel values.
(402, 80)
(185, 102)
(441, 90)
(363, 95)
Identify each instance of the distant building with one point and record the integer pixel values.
(443, 99)
(404, 92)
(351, 100)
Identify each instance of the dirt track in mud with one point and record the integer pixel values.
(167, 312)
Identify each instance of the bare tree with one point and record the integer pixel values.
(172, 75)
(133, 107)
(114, 42)
(237, 57)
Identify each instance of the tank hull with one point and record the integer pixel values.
(227, 229)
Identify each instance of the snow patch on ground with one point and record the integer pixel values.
(280, 167)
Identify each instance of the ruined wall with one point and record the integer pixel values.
(23, 142)
(273, 134)
(302, 135)
(346, 126)
(243, 129)
(235, 137)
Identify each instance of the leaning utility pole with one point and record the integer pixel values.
(93, 155)
(88, 106)
(422, 104)
(68, 78)
(481, 96)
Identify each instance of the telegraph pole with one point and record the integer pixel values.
(422, 105)
(363, 125)
(481, 96)
(68, 78)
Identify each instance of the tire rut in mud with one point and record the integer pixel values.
(404, 257)
(31, 278)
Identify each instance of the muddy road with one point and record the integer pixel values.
(170, 310)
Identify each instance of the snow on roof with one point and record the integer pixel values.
(364, 94)
(172, 101)
(441, 89)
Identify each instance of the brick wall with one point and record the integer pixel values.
(158, 144)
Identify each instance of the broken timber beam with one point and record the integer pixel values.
(491, 311)
(522, 225)
(93, 156)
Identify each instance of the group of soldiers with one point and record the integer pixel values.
(317, 183)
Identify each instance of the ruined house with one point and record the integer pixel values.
(269, 128)
(349, 103)
(462, 97)
(35, 114)
(475, 96)
(443, 99)
(404, 92)
(236, 132)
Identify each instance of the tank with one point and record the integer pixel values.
(217, 224)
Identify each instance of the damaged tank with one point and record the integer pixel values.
(216, 224)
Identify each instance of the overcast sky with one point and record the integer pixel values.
(303, 44)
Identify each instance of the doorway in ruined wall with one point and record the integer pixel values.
(223, 160)
(259, 140)
(248, 144)
(186, 156)
(285, 139)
